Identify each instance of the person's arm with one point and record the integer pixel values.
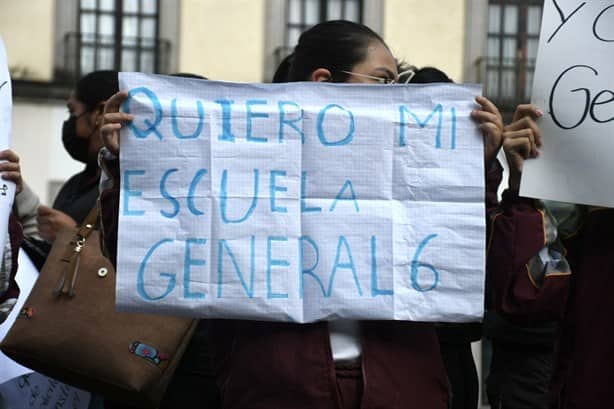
(527, 272)
(109, 162)
(25, 207)
(526, 268)
(491, 124)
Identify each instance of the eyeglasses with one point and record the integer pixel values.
(380, 80)
(406, 76)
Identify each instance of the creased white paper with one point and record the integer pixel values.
(301, 202)
(573, 85)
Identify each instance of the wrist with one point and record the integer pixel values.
(514, 180)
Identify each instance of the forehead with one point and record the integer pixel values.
(378, 56)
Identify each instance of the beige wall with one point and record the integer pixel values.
(27, 30)
(427, 33)
(222, 40)
(37, 139)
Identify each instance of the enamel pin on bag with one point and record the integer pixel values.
(69, 330)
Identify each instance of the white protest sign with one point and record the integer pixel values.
(574, 83)
(36, 391)
(7, 189)
(301, 201)
(6, 99)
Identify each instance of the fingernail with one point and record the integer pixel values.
(539, 112)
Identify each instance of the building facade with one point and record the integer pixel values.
(50, 43)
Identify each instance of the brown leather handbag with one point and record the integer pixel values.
(69, 330)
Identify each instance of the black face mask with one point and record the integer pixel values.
(77, 148)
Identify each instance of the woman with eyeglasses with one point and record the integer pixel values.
(339, 364)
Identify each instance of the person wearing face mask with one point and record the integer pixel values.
(80, 136)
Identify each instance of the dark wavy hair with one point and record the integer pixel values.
(282, 71)
(96, 87)
(336, 45)
(428, 75)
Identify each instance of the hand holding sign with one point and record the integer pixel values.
(491, 125)
(113, 120)
(521, 140)
(10, 169)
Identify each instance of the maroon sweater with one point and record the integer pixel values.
(281, 365)
(583, 301)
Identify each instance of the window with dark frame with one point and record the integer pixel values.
(118, 34)
(302, 14)
(513, 38)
